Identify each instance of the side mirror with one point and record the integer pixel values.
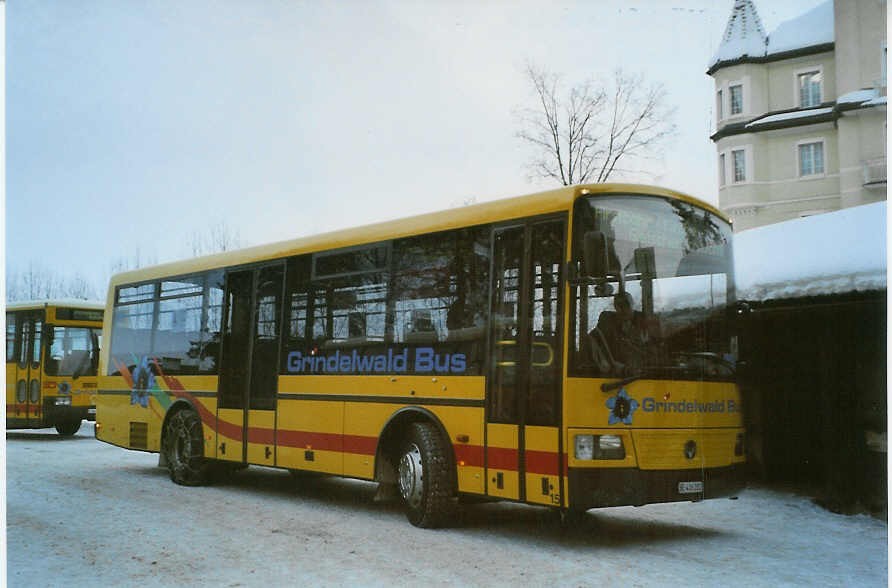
(594, 251)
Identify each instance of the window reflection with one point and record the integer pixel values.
(175, 322)
(661, 309)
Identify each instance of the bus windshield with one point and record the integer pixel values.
(72, 351)
(657, 306)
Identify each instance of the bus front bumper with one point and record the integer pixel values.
(593, 488)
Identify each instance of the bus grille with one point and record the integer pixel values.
(139, 435)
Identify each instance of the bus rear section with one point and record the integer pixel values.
(52, 355)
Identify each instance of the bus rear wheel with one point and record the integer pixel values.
(184, 449)
(68, 428)
(424, 480)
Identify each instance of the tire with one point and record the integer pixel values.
(184, 449)
(424, 478)
(68, 428)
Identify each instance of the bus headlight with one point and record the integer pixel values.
(590, 447)
(63, 401)
(585, 447)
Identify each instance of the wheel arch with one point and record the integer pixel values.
(395, 430)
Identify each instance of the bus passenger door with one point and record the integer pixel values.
(28, 386)
(246, 408)
(524, 385)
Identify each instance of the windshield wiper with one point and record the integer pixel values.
(609, 386)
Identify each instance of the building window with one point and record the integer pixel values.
(722, 178)
(736, 99)
(738, 158)
(719, 107)
(811, 158)
(809, 88)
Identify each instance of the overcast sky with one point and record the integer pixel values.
(132, 125)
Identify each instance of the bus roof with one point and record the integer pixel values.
(504, 209)
(58, 303)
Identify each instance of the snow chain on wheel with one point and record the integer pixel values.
(184, 448)
(425, 480)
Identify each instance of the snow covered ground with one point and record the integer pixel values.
(80, 512)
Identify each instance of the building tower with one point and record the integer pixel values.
(801, 112)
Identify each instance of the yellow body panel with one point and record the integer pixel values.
(502, 476)
(261, 441)
(664, 450)
(410, 388)
(542, 465)
(661, 404)
(230, 440)
(118, 415)
(318, 424)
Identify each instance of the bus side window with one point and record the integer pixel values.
(10, 337)
(297, 309)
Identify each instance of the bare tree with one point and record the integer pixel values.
(581, 135)
(36, 282)
(215, 239)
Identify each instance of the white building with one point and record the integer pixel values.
(801, 112)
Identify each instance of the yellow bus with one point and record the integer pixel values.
(52, 354)
(570, 348)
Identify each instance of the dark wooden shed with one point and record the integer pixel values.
(814, 350)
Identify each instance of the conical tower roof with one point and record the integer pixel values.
(744, 36)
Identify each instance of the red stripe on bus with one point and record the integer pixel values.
(310, 440)
(501, 458)
(469, 455)
(261, 436)
(34, 408)
(360, 444)
(542, 462)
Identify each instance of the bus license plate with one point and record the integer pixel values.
(690, 487)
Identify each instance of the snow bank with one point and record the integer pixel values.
(833, 253)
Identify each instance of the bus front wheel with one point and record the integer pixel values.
(68, 428)
(184, 449)
(424, 478)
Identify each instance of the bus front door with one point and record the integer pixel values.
(28, 386)
(523, 453)
(246, 407)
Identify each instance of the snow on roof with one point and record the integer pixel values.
(790, 116)
(744, 34)
(815, 27)
(863, 98)
(858, 96)
(745, 37)
(833, 253)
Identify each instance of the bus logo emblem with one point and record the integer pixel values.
(690, 449)
(622, 407)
